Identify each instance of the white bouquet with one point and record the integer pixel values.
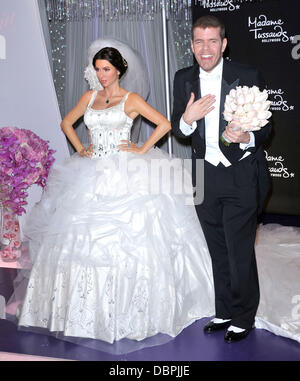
(247, 108)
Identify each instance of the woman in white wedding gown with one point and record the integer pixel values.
(116, 251)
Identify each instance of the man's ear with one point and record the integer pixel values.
(224, 44)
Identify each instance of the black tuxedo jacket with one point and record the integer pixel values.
(187, 81)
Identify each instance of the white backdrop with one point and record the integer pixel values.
(27, 95)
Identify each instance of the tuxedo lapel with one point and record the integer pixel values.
(229, 82)
(201, 122)
(193, 85)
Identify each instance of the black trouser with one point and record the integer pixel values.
(228, 216)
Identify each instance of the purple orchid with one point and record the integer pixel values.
(25, 159)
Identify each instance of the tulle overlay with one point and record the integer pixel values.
(278, 261)
(112, 262)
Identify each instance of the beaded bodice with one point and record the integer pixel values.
(107, 127)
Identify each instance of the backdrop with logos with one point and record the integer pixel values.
(266, 34)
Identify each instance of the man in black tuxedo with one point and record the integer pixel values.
(236, 177)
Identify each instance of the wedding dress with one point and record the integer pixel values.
(114, 254)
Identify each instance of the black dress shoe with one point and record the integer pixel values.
(232, 337)
(213, 327)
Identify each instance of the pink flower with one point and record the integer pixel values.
(17, 244)
(25, 159)
(8, 225)
(18, 156)
(228, 116)
(5, 253)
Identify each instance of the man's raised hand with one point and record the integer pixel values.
(197, 110)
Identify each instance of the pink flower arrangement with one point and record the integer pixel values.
(25, 159)
(11, 233)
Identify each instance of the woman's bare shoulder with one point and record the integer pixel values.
(135, 97)
(86, 97)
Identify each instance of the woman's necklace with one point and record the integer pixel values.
(108, 100)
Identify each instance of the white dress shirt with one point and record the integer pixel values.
(211, 84)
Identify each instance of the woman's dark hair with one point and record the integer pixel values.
(114, 57)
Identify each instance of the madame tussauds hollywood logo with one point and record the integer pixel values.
(267, 30)
(220, 5)
(277, 166)
(276, 96)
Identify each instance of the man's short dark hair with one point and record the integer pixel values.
(209, 22)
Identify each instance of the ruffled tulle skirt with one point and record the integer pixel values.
(278, 261)
(117, 250)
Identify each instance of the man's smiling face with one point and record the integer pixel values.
(208, 47)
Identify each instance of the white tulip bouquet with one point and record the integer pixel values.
(247, 108)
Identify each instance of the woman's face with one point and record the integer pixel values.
(106, 72)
